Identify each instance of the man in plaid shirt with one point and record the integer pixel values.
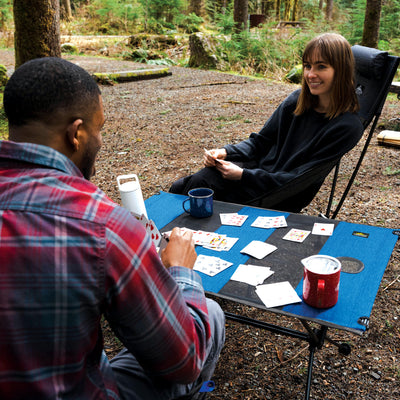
(69, 256)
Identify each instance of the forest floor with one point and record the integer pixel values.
(158, 129)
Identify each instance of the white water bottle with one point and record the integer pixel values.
(131, 194)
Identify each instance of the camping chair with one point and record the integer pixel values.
(374, 74)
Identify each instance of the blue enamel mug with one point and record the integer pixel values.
(200, 201)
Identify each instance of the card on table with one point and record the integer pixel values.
(251, 274)
(233, 219)
(210, 265)
(270, 222)
(296, 235)
(258, 249)
(277, 294)
(323, 229)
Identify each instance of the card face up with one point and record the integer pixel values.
(323, 229)
(270, 222)
(296, 235)
(233, 219)
(210, 265)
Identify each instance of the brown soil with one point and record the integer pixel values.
(158, 129)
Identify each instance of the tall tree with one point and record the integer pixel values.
(329, 10)
(240, 14)
(67, 9)
(371, 23)
(295, 10)
(278, 10)
(37, 29)
(196, 7)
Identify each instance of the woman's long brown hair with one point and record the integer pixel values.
(335, 50)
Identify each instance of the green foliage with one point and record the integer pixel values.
(162, 10)
(225, 23)
(390, 20)
(115, 16)
(5, 13)
(189, 23)
(262, 53)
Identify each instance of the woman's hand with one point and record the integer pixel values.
(229, 170)
(211, 157)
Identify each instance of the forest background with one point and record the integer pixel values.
(38, 28)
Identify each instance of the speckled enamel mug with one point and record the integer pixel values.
(201, 202)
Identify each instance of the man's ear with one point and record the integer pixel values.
(72, 134)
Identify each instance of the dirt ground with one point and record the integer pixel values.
(158, 129)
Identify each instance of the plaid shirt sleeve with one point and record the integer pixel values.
(160, 315)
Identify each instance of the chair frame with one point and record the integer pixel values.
(392, 64)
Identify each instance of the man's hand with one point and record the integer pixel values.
(211, 157)
(179, 250)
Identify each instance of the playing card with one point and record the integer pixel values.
(270, 222)
(142, 219)
(277, 294)
(296, 235)
(210, 265)
(233, 219)
(323, 229)
(251, 274)
(258, 249)
(153, 232)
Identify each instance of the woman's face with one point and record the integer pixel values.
(318, 75)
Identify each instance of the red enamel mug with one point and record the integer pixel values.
(321, 281)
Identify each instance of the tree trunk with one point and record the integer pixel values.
(321, 4)
(295, 10)
(329, 10)
(278, 10)
(371, 23)
(288, 7)
(37, 29)
(67, 9)
(240, 14)
(197, 7)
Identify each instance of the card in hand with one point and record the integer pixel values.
(153, 232)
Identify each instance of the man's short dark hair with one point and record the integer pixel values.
(44, 86)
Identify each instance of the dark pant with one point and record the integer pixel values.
(224, 189)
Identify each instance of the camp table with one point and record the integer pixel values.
(364, 251)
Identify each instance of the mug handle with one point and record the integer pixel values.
(183, 205)
(321, 286)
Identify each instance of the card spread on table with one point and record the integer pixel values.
(233, 219)
(270, 222)
(251, 274)
(258, 249)
(296, 235)
(323, 229)
(210, 265)
(277, 294)
(211, 240)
